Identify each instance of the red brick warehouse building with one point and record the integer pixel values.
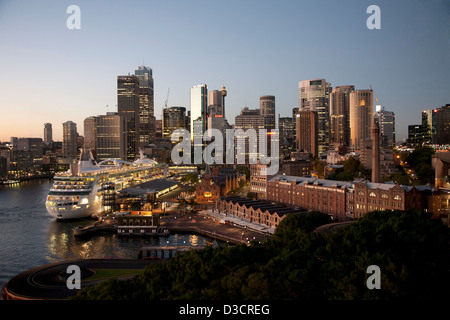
(344, 200)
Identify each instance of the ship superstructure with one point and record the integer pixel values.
(80, 191)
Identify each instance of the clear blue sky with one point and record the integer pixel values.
(49, 73)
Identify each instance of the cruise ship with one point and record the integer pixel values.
(80, 192)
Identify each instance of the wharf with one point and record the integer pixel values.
(212, 228)
(98, 227)
(142, 231)
(179, 223)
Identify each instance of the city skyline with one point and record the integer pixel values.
(51, 74)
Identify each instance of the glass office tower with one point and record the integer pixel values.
(146, 105)
(199, 104)
(128, 107)
(314, 96)
(361, 117)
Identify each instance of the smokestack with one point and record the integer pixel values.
(375, 153)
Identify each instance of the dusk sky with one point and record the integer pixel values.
(49, 73)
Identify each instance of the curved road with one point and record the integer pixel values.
(49, 282)
(332, 227)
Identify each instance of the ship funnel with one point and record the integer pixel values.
(86, 162)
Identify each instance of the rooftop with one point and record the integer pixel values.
(151, 186)
(272, 208)
(350, 185)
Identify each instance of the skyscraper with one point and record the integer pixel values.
(173, 118)
(443, 125)
(286, 127)
(146, 105)
(429, 125)
(48, 133)
(70, 136)
(90, 135)
(111, 136)
(340, 115)
(248, 119)
(386, 123)
(267, 109)
(307, 124)
(361, 117)
(215, 99)
(417, 134)
(215, 117)
(28, 155)
(105, 136)
(199, 104)
(128, 106)
(314, 96)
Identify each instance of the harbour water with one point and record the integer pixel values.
(30, 237)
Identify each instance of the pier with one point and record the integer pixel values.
(98, 227)
(142, 231)
(211, 227)
(164, 252)
(177, 223)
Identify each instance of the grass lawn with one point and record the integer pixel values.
(103, 274)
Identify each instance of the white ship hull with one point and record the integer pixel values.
(77, 194)
(73, 211)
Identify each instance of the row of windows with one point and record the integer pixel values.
(383, 196)
(321, 191)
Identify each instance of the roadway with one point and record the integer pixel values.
(49, 282)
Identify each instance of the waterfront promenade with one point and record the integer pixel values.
(209, 224)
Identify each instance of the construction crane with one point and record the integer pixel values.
(167, 99)
(376, 100)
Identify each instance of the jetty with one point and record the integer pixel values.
(164, 252)
(151, 226)
(98, 227)
(153, 231)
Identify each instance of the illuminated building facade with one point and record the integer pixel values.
(128, 103)
(361, 117)
(314, 96)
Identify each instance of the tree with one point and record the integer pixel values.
(420, 161)
(352, 169)
(411, 250)
(190, 177)
(251, 195)
(318, 167)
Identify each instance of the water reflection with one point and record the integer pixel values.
(30, 237)
(62, 245)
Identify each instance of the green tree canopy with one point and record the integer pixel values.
(411, 249)
(352, 169)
